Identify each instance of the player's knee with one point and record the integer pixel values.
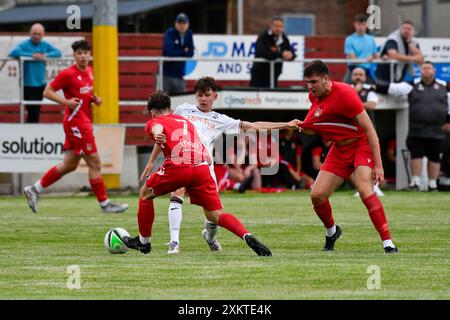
(318, 197)
(145, 193)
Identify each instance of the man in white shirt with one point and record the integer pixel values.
(210, 125)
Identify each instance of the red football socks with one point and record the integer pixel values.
(98, 187)
(377, 215)
(146, 216)
(50, 177)
(325, 214)
(231, 223)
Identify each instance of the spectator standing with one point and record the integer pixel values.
(365, 91)
(178, 42)
(272, 44)
(403, 47)
(360, 45)
(34, 71)
(429, 118)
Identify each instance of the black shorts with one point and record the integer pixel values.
(428, 147)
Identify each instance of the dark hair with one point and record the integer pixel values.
(428, 62)
(277, 18)
(158, 101)
(316, 67)
(203, 84)
(361, 17)
(81, 44)
(408, 22)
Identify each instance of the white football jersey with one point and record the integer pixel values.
(209, 125)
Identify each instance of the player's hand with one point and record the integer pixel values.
(294, 124)
(38, 56)
(148, 168)
(378, 175)
(160, 138)
(73, 103)
(97, 100)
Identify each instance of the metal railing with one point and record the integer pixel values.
(160, 60)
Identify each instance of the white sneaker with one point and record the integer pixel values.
(215, 245)
(174, 248)
(32, 197)
(378, 191)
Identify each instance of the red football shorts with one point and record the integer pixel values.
(197, 180)
(79, 138)
(343, 160)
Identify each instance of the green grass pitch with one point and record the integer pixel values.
(36, 250)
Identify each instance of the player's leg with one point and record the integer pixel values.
(70, 163)
(211, 228)
(232, 224)
(145, 217)
(325, 184)
(98, 185)
(175, 214)
(364, 185)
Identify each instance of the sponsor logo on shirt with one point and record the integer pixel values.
(85, 89)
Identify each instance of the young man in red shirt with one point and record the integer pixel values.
(338, 115)
(76, 82)
(186, 166)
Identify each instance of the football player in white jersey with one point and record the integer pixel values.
(210, 125)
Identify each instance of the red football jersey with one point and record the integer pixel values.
(183, 145)
(333, 116)
(76, 84)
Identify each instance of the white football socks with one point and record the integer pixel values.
(145, 240)
(38, 186)
(211, 229)
(175, 216)
(388, 243)
(331, 231)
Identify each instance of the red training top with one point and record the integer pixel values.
(333, 116)
(76, 84)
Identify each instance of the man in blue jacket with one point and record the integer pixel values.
(34, 71)
(178, 42)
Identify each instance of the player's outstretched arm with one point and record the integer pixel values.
(269, 125)
(365, 123)
(50, 94)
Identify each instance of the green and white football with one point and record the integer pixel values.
(113, 241)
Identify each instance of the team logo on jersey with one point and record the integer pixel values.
(318, 112)
(420, 87)
(79, 78)
(436, 86)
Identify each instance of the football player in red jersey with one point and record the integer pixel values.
(76, 82)
(186, 166)
(338, 115)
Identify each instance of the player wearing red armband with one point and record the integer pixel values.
(338, 115)
(186, 166)
(77, 83)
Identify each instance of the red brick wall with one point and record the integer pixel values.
(333, 17)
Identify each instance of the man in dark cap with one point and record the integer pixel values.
(178, 42)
